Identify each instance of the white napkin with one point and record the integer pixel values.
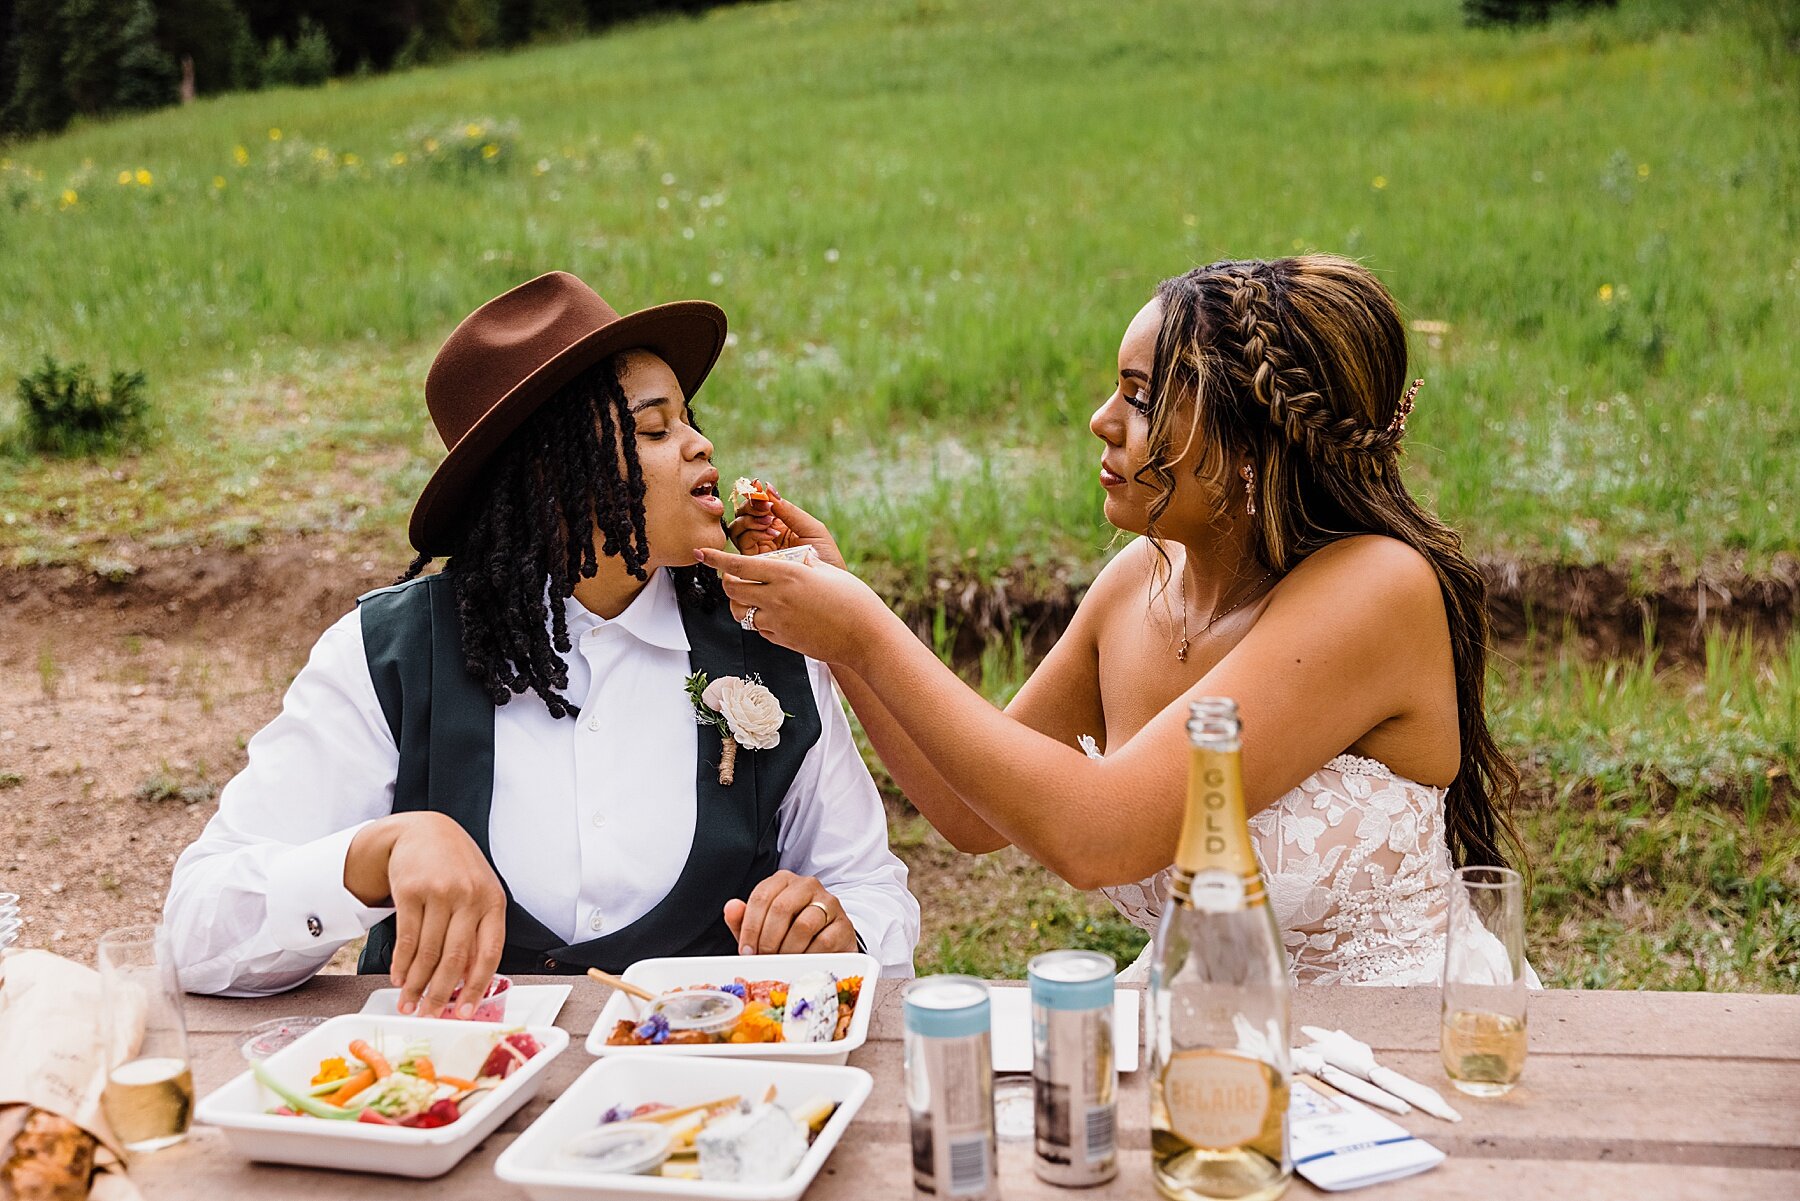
(1358, 1058)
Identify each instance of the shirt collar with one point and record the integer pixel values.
(653, 616)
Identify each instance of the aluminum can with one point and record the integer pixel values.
(1074, 1074)
(950, 1088)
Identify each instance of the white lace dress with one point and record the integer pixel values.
(1358, 873)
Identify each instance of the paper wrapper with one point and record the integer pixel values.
(50, 1056)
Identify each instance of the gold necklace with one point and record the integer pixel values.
(1181, 652)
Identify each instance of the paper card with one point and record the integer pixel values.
(1339, 1143)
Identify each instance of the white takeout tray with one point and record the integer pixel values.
(239, 1108)
(530, 1162)
(1012, 1028)
(660, 975)
(526, 1004)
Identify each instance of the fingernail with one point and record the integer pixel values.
(746, 949)
(406, 1007)
(467, 1010)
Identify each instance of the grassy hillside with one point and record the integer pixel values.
(930, 221)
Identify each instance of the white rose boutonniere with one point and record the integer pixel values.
(744, 710)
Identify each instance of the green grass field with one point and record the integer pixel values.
(930, 221)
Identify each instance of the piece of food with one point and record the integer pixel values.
(812, 1009)
(492, 1006)
(760, 1145)
(803, 554)
(747, 490)
(51, 1160)
(374, 1059)
(509, 1053)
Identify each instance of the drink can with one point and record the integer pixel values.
(1074, 1073)
(950, 1088)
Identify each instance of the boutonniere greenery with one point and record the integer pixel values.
(744, 710)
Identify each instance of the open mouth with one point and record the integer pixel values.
(707, 489)
(706, 494)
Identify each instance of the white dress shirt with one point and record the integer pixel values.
(591, 824)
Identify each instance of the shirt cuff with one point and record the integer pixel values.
(308, 907)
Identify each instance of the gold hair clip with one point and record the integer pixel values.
(1398, 424)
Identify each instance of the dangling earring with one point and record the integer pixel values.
(1249, 474)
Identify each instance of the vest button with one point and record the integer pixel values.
(549, 965)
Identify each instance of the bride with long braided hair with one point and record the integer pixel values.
(1252, 438)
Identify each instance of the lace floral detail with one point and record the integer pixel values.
(1358, 873)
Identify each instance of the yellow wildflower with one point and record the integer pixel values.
(352, 160)
(398, 159)
(240, 155)
(1605, 294)
(274, 134)
(145, 178)
(321, 155)
(1643, 170)
(125, 177)
(430, 145)
(472, 130)
(1378, 183)
(489, 150)
(218, 181)
(69, 198)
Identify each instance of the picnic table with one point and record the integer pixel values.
(1625, 1095)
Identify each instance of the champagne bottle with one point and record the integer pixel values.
(1218, 1019)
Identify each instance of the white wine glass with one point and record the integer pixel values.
(149, 1097)
(1483, 1022)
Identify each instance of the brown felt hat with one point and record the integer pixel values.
(511, 355)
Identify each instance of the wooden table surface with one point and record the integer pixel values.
(1625, 1095)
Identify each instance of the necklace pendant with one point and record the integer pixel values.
(1181, 651)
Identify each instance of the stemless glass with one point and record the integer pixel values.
(1483, 1035)
(149, 1097)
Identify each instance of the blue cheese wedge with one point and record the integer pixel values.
(759, 1145)
(812, 1009)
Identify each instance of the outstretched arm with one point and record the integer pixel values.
(1322, 667)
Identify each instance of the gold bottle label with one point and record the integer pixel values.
(1216, 1100)
(1215, 834)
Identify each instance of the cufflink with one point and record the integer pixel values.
(314, 926)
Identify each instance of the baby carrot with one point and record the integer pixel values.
(456, 1082)
(424, 1069)
(369, 1055)
(352, 1086)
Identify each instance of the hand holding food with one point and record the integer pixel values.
(763, 522)
(450, 910)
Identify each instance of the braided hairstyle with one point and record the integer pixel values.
(571, 468)
(1299, 365)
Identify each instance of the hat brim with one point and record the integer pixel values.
(688, 335)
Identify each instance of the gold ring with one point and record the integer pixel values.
(821, 908)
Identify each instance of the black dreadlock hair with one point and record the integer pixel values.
(570, 467)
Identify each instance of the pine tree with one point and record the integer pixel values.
(312, 57)
(147, 76)
(39, 102)
(90, 58)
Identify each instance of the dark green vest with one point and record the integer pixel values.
(443, 724)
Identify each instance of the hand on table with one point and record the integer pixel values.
(449, 907)
(790, 915)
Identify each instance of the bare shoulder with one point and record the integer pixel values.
(1127, 573)
(1385, 571)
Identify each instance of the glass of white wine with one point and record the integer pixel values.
(149, 1097)
(1483, 1035)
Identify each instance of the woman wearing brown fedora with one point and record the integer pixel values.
(499, 766)
(1252, 436)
